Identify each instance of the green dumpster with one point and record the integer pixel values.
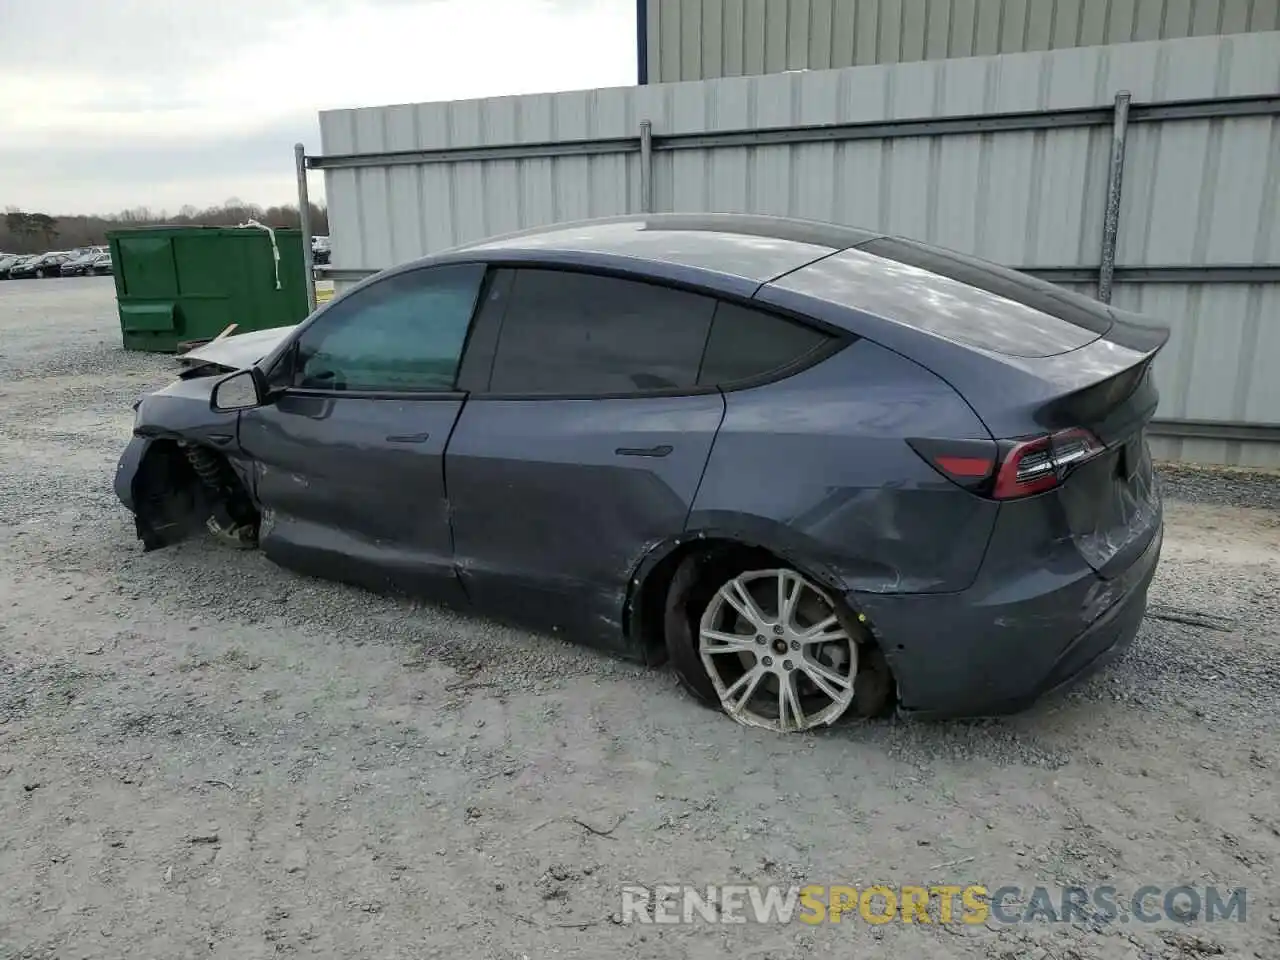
(184, 285)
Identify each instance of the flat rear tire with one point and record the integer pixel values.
(769, 647)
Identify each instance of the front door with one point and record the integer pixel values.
(349, 452)
(582, 448)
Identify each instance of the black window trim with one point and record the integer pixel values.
(837, 338)
(811, 358)
(289, 353)
(488, 354)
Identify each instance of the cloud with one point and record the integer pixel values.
(165, 170)
(133, 102)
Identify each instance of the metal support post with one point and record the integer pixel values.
(304, 226)
(646, 166)
(1115, 180)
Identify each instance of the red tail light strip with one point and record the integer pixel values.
(1033, 466)
(978, 467)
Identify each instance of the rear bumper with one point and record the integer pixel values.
(974, 655)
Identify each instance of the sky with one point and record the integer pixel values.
(108, 105)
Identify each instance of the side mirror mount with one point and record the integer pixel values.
(242, 390)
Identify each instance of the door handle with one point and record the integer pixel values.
(408, 438)
(659, 451)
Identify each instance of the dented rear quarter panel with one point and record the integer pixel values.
(800, 467)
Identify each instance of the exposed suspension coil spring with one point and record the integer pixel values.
(232, 516)
(212, 469)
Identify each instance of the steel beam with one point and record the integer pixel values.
(1226, 107)
(1216, 430)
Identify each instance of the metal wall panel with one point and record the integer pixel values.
(1196, 192)
(705, 39)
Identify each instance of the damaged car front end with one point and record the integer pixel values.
(182, 470)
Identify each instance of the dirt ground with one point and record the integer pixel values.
(203, 755)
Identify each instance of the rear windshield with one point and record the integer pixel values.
(961, 298)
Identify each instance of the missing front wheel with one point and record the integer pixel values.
(232, 518)
(182, 487)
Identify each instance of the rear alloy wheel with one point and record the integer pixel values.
(778, 652)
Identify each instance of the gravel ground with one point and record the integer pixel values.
(202, 754)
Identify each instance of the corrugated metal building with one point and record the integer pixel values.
(1005, 157)
(705, 39)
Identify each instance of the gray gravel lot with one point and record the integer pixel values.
(204, 755)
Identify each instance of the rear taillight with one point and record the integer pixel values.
(1008, 469)
(1039, 464)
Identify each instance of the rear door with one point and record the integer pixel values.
(582, 445)
(349, 456)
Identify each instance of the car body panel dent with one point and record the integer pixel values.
(771, 478)
(155, 476)
(182, 408)
(181, 411)
(314, 459)
(239, 350)
(1013, 636)
(127, 468)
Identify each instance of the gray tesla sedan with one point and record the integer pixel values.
(820, 470)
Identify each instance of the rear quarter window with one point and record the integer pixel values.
(747, 344)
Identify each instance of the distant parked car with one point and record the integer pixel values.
(37, 265)
(40, 266)
(320, 250)
(7, 261)
(18, 270)
(102, 266)
(80, 264)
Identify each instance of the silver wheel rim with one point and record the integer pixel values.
(777, 653)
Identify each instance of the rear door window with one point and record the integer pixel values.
(747, 344)
(580, 334)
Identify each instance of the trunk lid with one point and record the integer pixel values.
(1109, 503)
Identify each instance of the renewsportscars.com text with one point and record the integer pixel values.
(934, 904)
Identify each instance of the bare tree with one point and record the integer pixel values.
(22, 232)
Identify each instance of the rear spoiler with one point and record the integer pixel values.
(1105, 385)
